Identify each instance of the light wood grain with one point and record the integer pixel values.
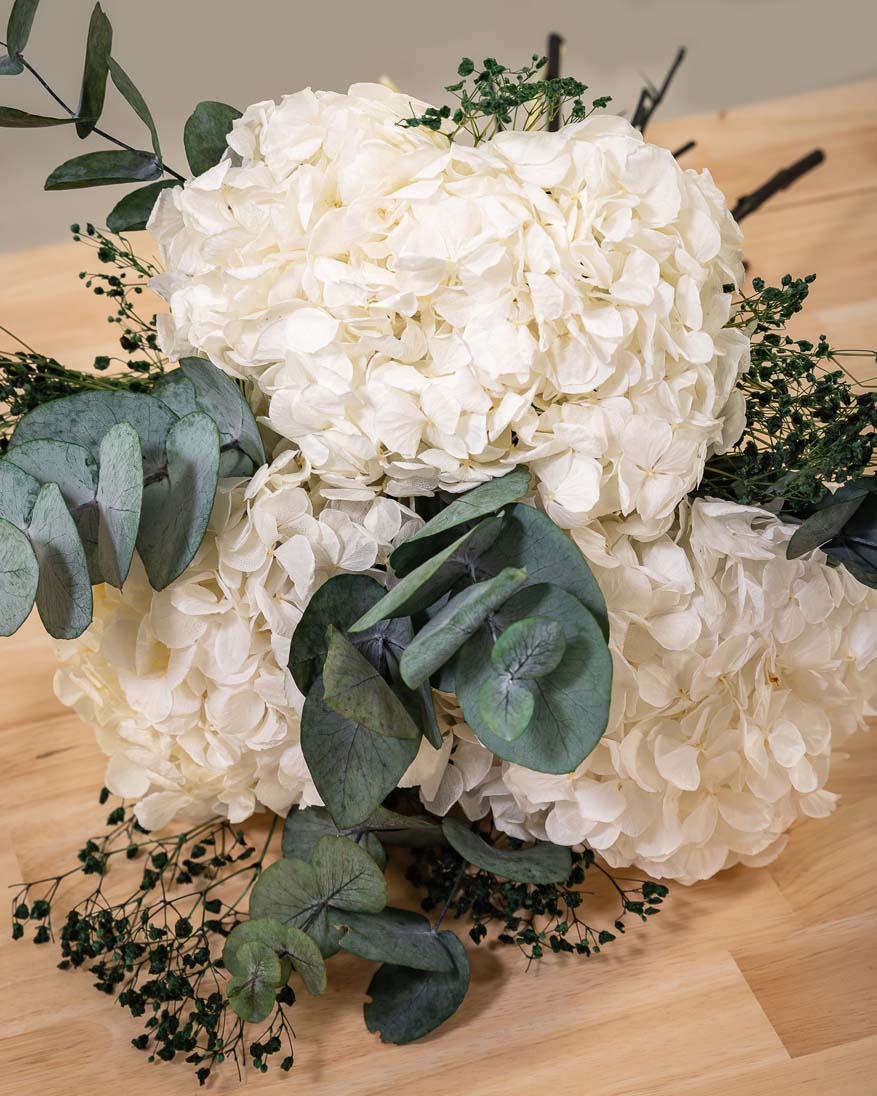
(756, 983)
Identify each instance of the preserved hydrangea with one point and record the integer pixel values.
(417, 314)
(736, 672)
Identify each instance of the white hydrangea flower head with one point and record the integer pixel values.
(188, 688)
(417, 314)
(736, 672)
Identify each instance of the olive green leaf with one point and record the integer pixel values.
(19, 574)
(176, 508)
(119, 497)
(452, 625)
(19, 25)
(354, 688)
(104, 169)
(10, 118)
(426, 583)
(304, 828)
(218, 396)
(340, 876)
(395, 936)
(542, 862)
(339, 602)
(252, 993)
(571, 707)
(205, 133)
(63, 596)
(407, 1004)
(86, 417)
(353, 766)
(477, 503)
(133, 211)
(825, 524)
(530, 540)
(128, 90)
(94, 75)
(286, 941)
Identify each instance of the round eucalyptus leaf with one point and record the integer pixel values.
(530, 540)
(64, 598)
(176, 508)
(219, 397)
(477, 503)
(542, 862)
(18, 494)
(506, 705)
(19, 574)
(407, 1004)
(71, 466)
(340, 875)
(426, 583)
(286, 941)
(176, 391)
(253, 992)
(529, 648)
(304, 826)
(449, 629)
(119, 498)
(394, 936)
(205, 133)
(571, 707)
(353, 688)
(86, 417)
(353, 767)
(339, 602)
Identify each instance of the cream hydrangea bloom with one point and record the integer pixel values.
(188, 688)
(417, 314)
(737, 672)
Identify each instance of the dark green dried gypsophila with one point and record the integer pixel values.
(496, 97)
(156, 948)
(534, 918)
(810, 422)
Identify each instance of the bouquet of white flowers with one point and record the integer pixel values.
(484, 514)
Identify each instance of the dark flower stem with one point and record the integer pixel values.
(650, 99)
(552, 72)
(749, 203)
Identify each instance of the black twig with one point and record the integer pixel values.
(552, 71)
(687, 147)
(650, 98)
(749, 203)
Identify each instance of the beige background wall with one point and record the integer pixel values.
(239, 51)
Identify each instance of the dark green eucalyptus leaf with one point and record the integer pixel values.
(9, 66)
(205, 133)
(132, 213)
(286, 941)
(87, 416)
(252, 993)
(339, 602)
(571, 704)
(19, 25)
(353, 767)
(218, 396)
(19, 575)
(477, 503)
(128, 90)
(824, 525)
(304, 827)
(506, 705)
(176, 508)
(119, 498)
(529, 648)
(10, 118)
(340, 876)
(426, 583)
(95, 72)
(354, 688)
(395, 936)
(543, 862)
(449, 629)
(64, 597)
(530, 540)
(408, 1004)
(104, 169)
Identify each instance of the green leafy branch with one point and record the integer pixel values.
(496, 97)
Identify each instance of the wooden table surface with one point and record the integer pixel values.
(756, 983)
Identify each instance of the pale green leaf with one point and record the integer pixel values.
(63, 597)
(252, 993)
(541, 863)
(119, 497)
(19, 574)
(394, 936)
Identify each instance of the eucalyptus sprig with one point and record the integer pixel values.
(495, 97)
